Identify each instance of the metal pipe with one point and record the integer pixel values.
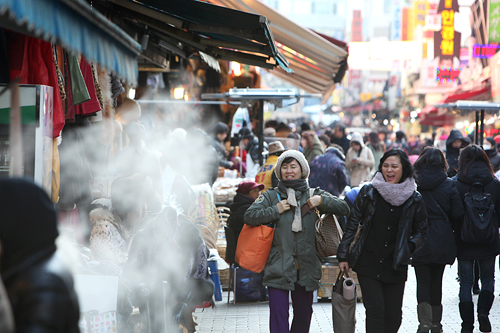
(476, 130)
(260, 112)
(481, 134)
(16, 167)
(181, 101)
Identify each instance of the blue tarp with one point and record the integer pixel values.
(75, 25)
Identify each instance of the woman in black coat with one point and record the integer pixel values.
(443, 206)
(392, 222)
(475, 174)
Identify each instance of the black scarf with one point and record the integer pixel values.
(299, 185)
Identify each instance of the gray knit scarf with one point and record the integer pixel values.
(294, 189)
(395, 194)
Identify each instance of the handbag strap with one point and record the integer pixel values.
(439, 206)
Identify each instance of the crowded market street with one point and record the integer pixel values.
(254, 317)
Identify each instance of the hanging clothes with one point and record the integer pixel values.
(92, 105)
(69, 107)
(78, 86)
(32, 60)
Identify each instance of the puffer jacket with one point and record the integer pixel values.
(411, 228)
(494, 157)
(288, 247)
(478, 172)
(361, 170)
(440, 195)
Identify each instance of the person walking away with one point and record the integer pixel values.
(251, 145)
(312, 146)
(38, 282)
(454, 143)
(377, 147)
(359, 160)
(246, 194)
(444, 208)
(400, 142)
(475, 175)
(293, 265)
(490, 148)
(328, 172)
(393, 226)
(339, 137)
(266, 173)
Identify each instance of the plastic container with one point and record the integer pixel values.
(214, 276)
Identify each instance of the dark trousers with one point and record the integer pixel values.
(429, 283)
(383, 302)
(302, 310)
(466, 273)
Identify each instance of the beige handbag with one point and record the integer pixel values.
(328, 233)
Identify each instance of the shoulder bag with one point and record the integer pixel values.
(254, 246)
(328, 233)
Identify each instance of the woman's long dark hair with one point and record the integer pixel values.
(405, 162)
(470, 154)
(432, 158)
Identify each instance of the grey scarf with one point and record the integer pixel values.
(294, 189)
(395, 194)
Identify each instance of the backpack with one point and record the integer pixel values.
(478, 226)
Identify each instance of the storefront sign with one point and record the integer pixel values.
(433, 22)
(357, 26)
(420, 11)
(396, 20)
(494, 22)
(484, 51)
(385, 56)
(447, 75)
(447, 41)
(495, 77)
(408, 24)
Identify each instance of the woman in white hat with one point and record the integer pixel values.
(292, 264)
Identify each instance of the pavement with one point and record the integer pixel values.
(254, 317)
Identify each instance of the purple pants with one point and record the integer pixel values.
(302, 301)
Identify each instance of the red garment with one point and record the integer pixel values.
(32, 59)
(92, 106)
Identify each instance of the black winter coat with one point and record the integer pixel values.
(453, 153)
(412, 227)
(252, 149)
(478, 172)
(437, 189)
(238, 208)
(494, 157)
(42, 296)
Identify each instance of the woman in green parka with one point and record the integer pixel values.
(292, 264)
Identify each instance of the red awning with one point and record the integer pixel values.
(479, 94)
(438, 121)
(428, 109)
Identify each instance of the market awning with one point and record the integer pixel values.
(482, 93)
(216, 31)
(433, 119)
(77, 27)
(318, 63)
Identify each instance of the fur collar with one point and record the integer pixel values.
(395, 194)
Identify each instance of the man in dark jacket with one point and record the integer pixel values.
(39, 285)
(328, 172)
(454, 143)
(490, 148)
(339, 138)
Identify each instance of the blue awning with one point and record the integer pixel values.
(76, 26)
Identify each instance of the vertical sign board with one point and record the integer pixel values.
(494, 22)
(447, 41)
(404, 26)
(396, 21)
(495, 78)
(420, 12)
(357, 26)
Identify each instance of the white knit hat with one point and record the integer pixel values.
(296, 155)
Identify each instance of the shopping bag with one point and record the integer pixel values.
(254, 246)
(328, 233)
(343, 309)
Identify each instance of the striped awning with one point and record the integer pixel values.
(76, 26)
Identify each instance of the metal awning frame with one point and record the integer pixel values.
(250, 96)
(479, 107)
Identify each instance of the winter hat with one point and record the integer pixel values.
(246, 187)
(246, 133)
(276, 147)
(356, 137)
(296, 155)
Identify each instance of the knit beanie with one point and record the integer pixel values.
(296, 155)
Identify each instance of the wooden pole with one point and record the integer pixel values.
(15, 134)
